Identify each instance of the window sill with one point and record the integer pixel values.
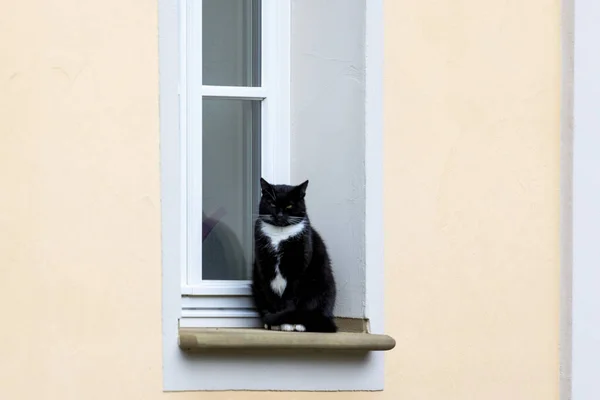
(206, 339)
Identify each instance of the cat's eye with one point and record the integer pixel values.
(288, 207)
(272, 204)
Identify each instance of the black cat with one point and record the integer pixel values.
(293, 285)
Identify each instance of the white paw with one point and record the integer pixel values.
(299, 328)
(287, 327)
(266, 326)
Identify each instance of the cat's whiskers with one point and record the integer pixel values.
(264, 217)
(290, 219)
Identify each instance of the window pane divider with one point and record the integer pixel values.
(234, 92)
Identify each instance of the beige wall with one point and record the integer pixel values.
(472, 201)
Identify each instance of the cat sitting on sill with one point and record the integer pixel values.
(292, 282)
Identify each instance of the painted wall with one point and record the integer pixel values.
(328, 128)
(472, 201)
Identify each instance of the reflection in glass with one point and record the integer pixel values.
(231, 42)
(230, 176)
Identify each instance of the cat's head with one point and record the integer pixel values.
(282, 205)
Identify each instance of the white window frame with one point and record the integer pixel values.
(227, 304)
(586, 202)
(270, 370)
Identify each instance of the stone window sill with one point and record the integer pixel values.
(207, 339)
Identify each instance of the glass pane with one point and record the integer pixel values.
(231, 42)
(230, 179)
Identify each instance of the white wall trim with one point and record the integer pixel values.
(566, 200)
(586, 202)
(374, 257)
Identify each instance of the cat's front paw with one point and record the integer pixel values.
(272, 327)
(293, 327)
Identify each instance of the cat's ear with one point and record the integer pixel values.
(264, 185)
(301, 188)
(266, 188)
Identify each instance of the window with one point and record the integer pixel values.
(226, 91)
(234, 106)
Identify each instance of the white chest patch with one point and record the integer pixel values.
(279, 283)
(276, 235)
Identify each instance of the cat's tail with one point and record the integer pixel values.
(313, 321)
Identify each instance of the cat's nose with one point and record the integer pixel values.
(280, 213)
